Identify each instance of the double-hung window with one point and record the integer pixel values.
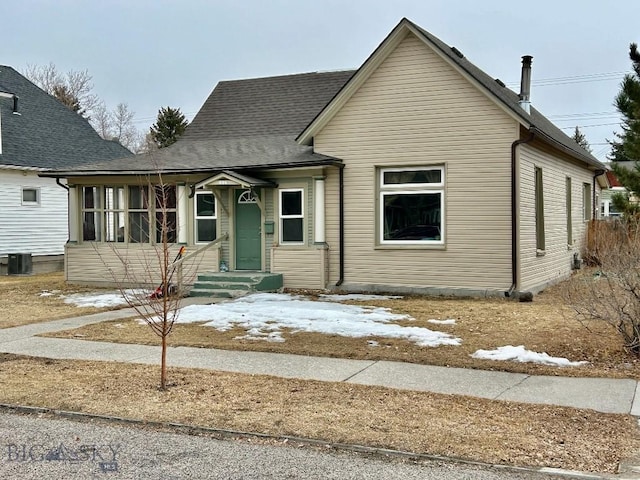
(114, 214)
(205, 217)
(138, 214)
(292, 216)
(412, 206)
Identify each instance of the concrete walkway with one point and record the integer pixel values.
(601, 394)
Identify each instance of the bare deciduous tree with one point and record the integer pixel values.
(146, 255)
(73, 88)
(611, 292)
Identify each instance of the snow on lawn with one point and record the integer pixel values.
(264, 315)
(448, 321)
(101, 300)
(520, 354)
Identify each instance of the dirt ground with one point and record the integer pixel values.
(36, 298)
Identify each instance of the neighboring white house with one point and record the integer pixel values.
(37, 132)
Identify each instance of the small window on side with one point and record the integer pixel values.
(30, 196)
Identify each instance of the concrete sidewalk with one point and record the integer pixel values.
(600, 394)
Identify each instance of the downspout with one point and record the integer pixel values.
(596, 174)
(62, 184)
(341, 224)
(514, 214)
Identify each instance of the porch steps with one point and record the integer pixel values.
(235, 284)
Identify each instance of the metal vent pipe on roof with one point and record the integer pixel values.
(525, 84)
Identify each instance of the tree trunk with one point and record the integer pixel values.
(163, 363)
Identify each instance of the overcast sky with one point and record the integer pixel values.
(153, 53)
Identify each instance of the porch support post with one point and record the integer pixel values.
(183, 213)
(319, 210)
(72, 202)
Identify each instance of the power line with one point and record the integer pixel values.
(587, 126)
(592, 77)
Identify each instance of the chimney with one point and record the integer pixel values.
(525, 84)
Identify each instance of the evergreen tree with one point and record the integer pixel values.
(169, 125)
(581, 140)
(626, 147)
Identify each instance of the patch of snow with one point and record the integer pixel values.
(103, 300)
(265, 313)
(357, 296)
(448, 321)
(373, 343)
(45, 293)
(520, 354)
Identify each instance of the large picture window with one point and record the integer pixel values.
(205, 217)
(126, 214)
(292, 216)
(412, 206)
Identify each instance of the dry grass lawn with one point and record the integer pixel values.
(545, 325)
(476, 429)
(21, 302)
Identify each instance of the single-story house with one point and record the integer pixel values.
(417, 172)
(39, 133)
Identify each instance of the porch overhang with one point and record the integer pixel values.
(229, 178)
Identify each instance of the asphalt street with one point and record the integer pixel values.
(41, 446)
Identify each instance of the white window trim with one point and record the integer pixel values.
(282, 217)
(411, 188)
(27, 203)
(203, 217)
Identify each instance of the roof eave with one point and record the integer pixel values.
(112, 173)
(592, 162)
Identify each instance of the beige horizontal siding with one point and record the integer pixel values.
(538, 270)
(132, 265)
(415, 109)
(300, 267)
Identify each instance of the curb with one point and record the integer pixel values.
(302, 441)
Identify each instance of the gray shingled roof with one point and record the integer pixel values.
(244, 124)
(46, 134)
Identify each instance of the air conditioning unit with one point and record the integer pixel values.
(19, 264)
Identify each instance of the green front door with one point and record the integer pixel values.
(248, 240)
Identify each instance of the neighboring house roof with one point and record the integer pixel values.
(45, 133)
(243, 124)
(255, 123)
(535, 121)
(613, 179)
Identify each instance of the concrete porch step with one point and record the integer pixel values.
(235, 284)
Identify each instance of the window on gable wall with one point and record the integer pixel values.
(412, 206)
(205, 216)
(124, 214)
(291, 215)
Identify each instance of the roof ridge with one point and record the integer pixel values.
(289, 75)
